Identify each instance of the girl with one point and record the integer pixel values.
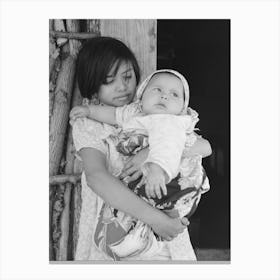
(108, 73)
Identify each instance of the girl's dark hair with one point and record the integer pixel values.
(96, 59)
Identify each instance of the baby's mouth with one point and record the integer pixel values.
(161, 105)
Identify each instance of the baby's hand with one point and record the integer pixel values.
(79, 112)
(155, 181)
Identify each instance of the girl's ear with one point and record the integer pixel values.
(85, 101)
(96, 100)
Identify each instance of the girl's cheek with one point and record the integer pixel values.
(132, 85)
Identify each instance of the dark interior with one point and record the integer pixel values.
(200, 50)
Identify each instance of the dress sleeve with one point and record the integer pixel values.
(88, 134)
(194, 120)
(191, 137)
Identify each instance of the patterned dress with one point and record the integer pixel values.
(108, 234)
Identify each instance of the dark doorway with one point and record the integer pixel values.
(200, 50)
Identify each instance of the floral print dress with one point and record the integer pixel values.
(108, 234)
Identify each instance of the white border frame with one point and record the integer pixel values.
(254, 142)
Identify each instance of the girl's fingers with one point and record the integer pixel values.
(134, 177)
(127, 165)
(126, 173)
(185, 221)
(129, 171)
(169, 238)
(73, 114)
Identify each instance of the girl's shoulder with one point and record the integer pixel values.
(194, 119)
(87, 126)
(90, 133)
(193, 114)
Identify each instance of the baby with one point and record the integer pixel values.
(161, 114)
(161, 120)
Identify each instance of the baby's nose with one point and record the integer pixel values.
(164, 95)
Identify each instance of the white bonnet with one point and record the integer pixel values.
(143, 85)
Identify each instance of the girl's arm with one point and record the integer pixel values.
(200, 147)
(118, 196)
(99, 113)
(132, 167)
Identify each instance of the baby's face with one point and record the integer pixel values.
(164, 94)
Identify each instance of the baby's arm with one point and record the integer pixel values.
(99, 113)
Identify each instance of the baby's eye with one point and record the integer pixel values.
(174, 94)
(157, 89)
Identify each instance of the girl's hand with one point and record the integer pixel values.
(200, 147)
(168, 228)
(79, 112)
(132, 166)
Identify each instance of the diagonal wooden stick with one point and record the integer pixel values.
(73, 35)
(62, 179)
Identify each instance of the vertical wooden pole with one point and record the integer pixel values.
(53, 50)
(139, 35)
(63, 252)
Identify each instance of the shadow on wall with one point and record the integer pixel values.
(200, 50)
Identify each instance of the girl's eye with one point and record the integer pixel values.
(127, 78)
(109, 80)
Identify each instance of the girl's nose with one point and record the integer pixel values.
(121, 84)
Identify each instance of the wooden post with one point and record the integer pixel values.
(76, 211)
(93, 26)
(59, 26)
(54, 62)
(62, 248)
(53, 50)
(61, 108)
(139, 35)
(74, 47)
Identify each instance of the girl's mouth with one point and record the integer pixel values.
(123, 98)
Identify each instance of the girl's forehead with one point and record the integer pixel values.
(120, 66)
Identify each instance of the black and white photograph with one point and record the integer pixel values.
(139, 139)
(143, 104)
